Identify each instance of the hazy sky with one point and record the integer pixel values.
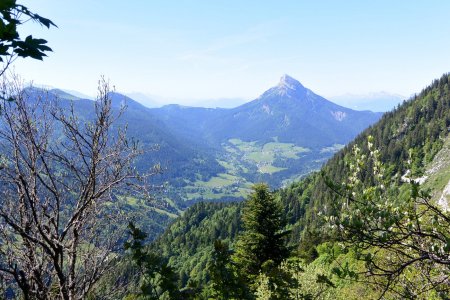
(216, 49)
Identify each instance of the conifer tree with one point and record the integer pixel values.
(225, 283)
(263, 238)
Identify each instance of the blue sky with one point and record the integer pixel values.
(187, 50)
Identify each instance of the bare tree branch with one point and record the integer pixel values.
(58, 173)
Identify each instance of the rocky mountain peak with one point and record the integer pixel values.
(289, 83)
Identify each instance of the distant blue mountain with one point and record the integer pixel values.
(294, 114)
(244, 145)
(288, 112)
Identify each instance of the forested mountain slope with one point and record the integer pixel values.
(408, 138)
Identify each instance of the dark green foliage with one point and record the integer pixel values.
(156, 277)
(307, 247)
(225, 281)
(188, 242)
(263, 236)
(279, 280)
(13, 15)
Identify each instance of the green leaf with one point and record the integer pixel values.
(44, 21)
(6, 5)
(31, 47)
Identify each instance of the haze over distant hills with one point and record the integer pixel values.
(146, 100)
(220, 102)
(374, 101)
(218, 153)
(379, 101)
(153, 101)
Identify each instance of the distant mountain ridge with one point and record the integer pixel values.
(218, 153)
(288, 112)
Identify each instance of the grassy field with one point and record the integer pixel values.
(217, 187)
(248, 161)
(245, 159)
(270, 169)
(145, 205)
(263, 156)
(221, 180)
